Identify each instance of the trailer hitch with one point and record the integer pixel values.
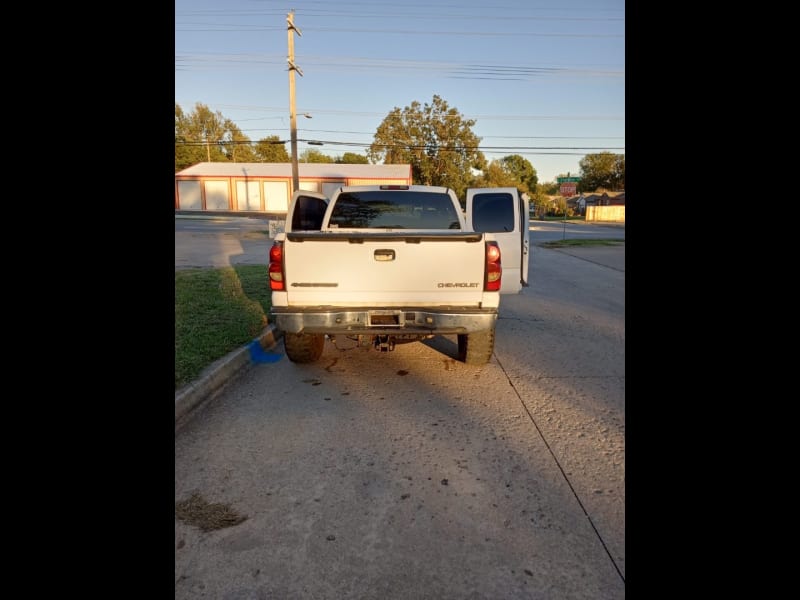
(383, 343)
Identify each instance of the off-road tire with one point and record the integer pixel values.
(303, 347)
(476, 348)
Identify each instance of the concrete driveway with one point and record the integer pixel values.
(411, 475)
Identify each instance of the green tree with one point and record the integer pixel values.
(236, 145)
(510, 171)
(619, 172)
(314, 156)
(540, 199)
(203, 135)
(435, 140)
(523, 170)
(602, 171)
(496, 175)
(187, 151)
(558, 206)
(351, 158)
(549, 188)
(272, 149)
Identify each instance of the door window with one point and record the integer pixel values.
(493, 212)
(308, 214)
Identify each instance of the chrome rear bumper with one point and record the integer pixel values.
(384, 321)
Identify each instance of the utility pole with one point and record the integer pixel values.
(292, 110)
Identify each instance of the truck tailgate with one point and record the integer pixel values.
(379, 269)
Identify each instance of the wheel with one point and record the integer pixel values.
(476, 348)
(303, 347)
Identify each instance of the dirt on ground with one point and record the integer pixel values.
(197, 511)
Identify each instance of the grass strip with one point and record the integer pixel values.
(216, 312)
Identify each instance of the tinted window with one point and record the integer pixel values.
(493, 212)
(308, 214)
(386, 209)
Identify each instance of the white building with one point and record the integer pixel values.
(267, 187)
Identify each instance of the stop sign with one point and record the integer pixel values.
(568, 189)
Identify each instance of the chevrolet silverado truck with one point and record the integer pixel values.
(388, 264)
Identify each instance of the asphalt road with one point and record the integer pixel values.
(411, 475)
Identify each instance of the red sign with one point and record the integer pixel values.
(568, 189)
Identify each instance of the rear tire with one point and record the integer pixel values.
(303, 347)
(476, 348)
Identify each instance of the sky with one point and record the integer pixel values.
(544, 79)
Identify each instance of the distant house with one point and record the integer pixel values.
(606, 206)
(618, 199)
(597, 199)
(572, 202)
(267, 187)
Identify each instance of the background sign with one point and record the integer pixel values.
(568, 189)
(568, 179)
(276, 227)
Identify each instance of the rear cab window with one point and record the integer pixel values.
(385, 209)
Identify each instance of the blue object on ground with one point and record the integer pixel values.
(257, 354)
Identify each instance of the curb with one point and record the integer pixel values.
(219, 373)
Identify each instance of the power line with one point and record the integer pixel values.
(459, 147)
(497, 13)
(394, 67)
(406, 32)
(344, 7)
(505, 137)
(322, 111)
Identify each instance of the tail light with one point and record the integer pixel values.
(494, 271)
(276, 279)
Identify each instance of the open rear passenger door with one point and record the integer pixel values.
(504, 213)
(306, 211)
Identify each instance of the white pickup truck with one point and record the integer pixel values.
(388, 264)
